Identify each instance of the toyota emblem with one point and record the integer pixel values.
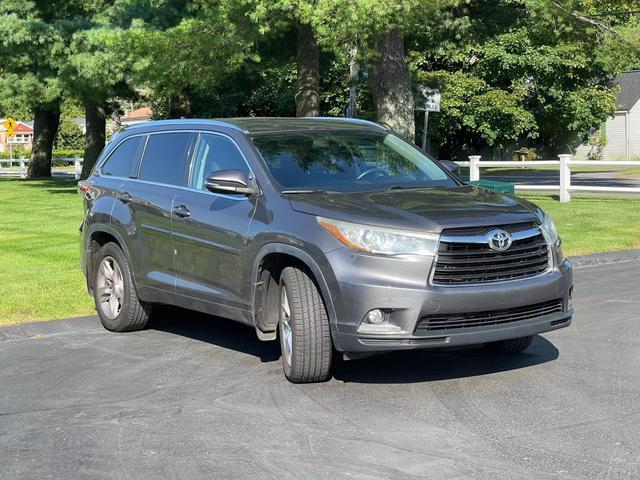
(499, 240)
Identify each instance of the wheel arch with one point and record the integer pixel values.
(281, 250)
(101, 234)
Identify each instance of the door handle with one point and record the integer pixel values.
(124, 197)
(181, 211)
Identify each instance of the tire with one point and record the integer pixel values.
(513, 345)
(305, 337)
(132, 313)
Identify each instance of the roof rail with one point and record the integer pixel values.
(351, 120)
(188, 121)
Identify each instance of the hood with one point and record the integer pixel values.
(428, 209)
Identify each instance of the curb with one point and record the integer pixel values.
(605, 258)
(44, 328)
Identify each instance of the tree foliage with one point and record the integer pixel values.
(512, 72)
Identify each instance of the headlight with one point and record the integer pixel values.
(549, 229)
(380, 240)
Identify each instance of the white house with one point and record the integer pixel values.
(620, 134)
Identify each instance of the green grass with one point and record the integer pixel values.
(40, 277)
(590, 224)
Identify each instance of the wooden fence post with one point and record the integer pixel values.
(565, 177)
(474, 169)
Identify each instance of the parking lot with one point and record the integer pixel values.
(198, 397)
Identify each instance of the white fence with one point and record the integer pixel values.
(564, 164)
(24, 162)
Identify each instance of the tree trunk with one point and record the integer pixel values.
(390, 84)
(179, 105)
(308, 82)
(95, 134)
(45, 128)
(354, 70)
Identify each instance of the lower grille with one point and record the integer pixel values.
(452, 321)
(463, 258)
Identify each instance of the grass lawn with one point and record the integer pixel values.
(40, 277)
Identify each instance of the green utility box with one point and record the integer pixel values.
(500, 187)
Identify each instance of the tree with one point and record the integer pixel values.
(29, 50)
(95, 71)
(174, 52)
(70, 136)
(378, 28)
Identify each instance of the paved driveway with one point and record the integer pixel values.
(198, 397)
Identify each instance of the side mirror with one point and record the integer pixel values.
(229, 181)
(452, 167)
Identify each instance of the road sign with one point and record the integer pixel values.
(430, 101)
(10, 124)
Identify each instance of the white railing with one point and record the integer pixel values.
(24, 162)
(564, 164)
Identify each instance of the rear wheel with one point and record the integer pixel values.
(305, 337)
(513, 345)
(114, 294)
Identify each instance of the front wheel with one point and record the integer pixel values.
(513, 345)
(305, 337)
(114, 294)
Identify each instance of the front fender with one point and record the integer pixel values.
(307, 260)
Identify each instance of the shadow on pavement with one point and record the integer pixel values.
(428, 365)
(217, 331)
(396, 367)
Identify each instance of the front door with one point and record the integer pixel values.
(209, 233)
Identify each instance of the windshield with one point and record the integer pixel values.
(347, 161)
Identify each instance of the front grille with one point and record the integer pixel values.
(461, 261)
(452, 321)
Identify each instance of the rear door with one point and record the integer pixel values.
(164, 168)
(209, 232)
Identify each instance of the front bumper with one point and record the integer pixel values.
(360, 282)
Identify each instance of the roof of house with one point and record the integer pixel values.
(144, 113)
(629, 89)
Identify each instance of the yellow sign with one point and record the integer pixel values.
(10, 124)
(11, 133)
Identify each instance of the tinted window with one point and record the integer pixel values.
(347, 161)
(123, 161)
(214, 153)
(166, 158)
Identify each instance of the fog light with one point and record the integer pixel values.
(377, 321)
(375, 317)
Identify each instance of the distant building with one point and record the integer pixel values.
(620, 135)
(140, 115)
(23, 138)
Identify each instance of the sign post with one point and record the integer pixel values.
(430, 102)
(10, 124)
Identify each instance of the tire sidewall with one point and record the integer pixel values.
(287, 368)
(112, 250)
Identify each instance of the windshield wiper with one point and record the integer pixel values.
(301, 191)
(404, 187)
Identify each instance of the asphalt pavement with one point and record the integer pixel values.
(197, 397)
(602, 178)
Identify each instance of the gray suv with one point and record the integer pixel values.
(331, 235)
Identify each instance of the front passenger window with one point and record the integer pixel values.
(214, 153)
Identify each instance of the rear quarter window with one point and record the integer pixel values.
(124, 159)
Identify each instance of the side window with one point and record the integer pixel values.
(215, 152)
(166, 158)
(124, 159)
